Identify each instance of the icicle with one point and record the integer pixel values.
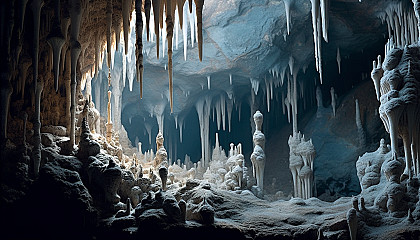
(267, 93)
(223, 107)
(325, 20)
(139, 45)
(230, 79)
(218, 114)
(208, 82)
(229, 104)
(176, 30)
(255, 85)
(181, 123)
(124, 68)
(283, 105)
(191, 18)
(287, 9)
(185, 30)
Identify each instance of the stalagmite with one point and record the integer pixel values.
(258, 157)
(139, 45)
(108, 124)
(75, 15)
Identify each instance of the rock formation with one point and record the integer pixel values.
(258, 155)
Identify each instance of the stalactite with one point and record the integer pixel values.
(21, 14)
(339, 60)
(75, 15)
(126, 10)
(180, 6)
(24, 64)
(199, 12)
(37, 128)
(56, 40)
(139, 45)
(147, 6)
(36, 9)
(287, 4)
(156, 10)
(108, 31)
(170, 13)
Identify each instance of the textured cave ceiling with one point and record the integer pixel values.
(246, 39)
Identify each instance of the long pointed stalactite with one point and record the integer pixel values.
(170, 12)
(75, 15)
(156, 10)
(108, 31)
(139, 45)
(199, 11)
(56, 41)
(36, 9)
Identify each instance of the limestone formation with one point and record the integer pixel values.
(258, 155)
(302, 154)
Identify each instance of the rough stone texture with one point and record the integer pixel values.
(63, 204)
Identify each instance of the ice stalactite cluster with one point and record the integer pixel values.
(258, 158)
(397, 80)
(320, 24)
(402, 24)
(165, 15)
(302, 154)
